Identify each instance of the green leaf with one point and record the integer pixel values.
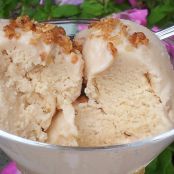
(112, 7)
(40, 14)
(48, 5)
(64, 11)
(152, 167)
(165, 162)
(171, 147)
(92, 8)
(30, 2)
(26, 10)
(161, 165)
(9, 7)
(159, 12)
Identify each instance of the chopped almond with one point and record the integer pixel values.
(105, 25)
(77, 46)
(74, 59)
(9, 31)
(138, 38)
(112, 49)
(123, 29)
(48, 33)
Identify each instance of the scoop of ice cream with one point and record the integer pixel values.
(128, 83)
(99, 128)
(63, 130)
(39, 73)
(129, 78)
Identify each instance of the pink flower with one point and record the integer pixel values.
(10, 168)
(41, 2)
(133, 3)
(170, 49)
(81, 27)
(155, 29)
(137, 15)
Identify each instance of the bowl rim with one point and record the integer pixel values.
(138, 143)
(72, 21)
(135, 144)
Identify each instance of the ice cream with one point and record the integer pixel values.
(129, 84)
(127, 93)
(40, 73)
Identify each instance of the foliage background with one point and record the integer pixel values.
(160, 14)
(160, 11)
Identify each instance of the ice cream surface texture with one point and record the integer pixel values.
(129, 84)
(40, 73)
(126, 73)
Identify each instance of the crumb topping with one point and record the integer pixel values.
(77, 46)
(24, 23)
(74, 59)
(116, 39)
(10, 32)
(112, 49)
(138, 38)
(105, 25)
(48, 33)
(123, 29)
(46, 57)
(147, 76)
(109, 28)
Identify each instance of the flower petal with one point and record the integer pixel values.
(155, 29)
(10, 168)
(136, 15)
(133, 3)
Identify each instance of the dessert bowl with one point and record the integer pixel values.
(41, 158)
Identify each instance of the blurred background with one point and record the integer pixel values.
(155, 14)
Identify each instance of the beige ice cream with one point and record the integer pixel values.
(40, 73)
(129, 84)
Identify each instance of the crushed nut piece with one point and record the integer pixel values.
(46, 110)
(74, 59)
(48, 33)
(115, 39)
(138, 38)
(105, 25)
(123, 29)
(147, 76)
(9, 31)
(25, 23)
(112, 49)
(77, 46)
(47, 58)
